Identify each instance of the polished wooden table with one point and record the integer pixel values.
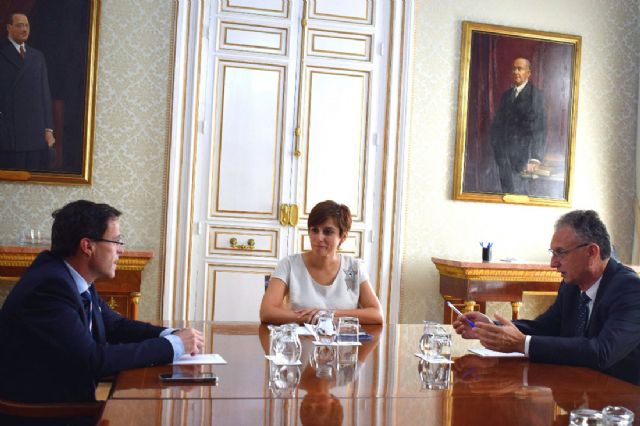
(122, 293)
(387, 386)
(470, 285)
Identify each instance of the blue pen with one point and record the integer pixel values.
(454, 309)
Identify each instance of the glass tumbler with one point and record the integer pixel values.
(348, 329)
(323, 326)
(617, 416)
(288, 347)
(586, 417)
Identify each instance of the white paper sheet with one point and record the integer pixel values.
(484, 352)
(187, 359)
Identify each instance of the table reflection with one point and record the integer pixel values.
(380, 383)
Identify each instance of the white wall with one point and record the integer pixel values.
(605, 160)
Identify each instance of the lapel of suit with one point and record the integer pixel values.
(609, 271)
(98, 324)
(11, 54)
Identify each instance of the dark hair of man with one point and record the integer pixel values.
(77, 220)
(589, 228)
(9, 20)
(330, 209)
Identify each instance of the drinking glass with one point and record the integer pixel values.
(283, 379)
(287, 346)
(586, 417)
(323, 360)
(347, 355)
(275, 332)
(443, 342)
(434, 374)
(348, 329)
(617, 416)
(428, 345)
(323, 326)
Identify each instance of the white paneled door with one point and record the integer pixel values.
(291, 109)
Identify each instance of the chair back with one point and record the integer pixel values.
(51, 410)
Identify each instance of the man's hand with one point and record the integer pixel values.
(191, 339)
(501, 338)
(533, 165)
(463, 327)
(48, 137)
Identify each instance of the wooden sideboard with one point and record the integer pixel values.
(122, 293)
(471, 284)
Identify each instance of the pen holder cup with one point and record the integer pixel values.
(486, 254)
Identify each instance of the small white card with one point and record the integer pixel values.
(187, 359)
(277, 361)
(484, 352)
(434, 359)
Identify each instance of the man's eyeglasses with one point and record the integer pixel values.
(561, 253)
(119, 241)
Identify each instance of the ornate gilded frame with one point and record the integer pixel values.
(487, 52)
(80, 146)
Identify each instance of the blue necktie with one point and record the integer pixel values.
(583, 315)
(86, 303)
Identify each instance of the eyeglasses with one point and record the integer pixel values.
(119, 241)
(561, 253)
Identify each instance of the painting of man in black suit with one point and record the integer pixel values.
(26, 118)
(517, 110)
(518, 131)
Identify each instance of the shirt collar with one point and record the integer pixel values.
(80, 282)
(17, 46)
(593, 290)
(521, 87)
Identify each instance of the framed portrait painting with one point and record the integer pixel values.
(517, 110)
(48, 60)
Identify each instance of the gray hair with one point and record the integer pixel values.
(589, 228)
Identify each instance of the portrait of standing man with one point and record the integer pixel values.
(518, 131)
(517, 114)
(26, 122)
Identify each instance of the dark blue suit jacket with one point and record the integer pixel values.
(25, 99)
(48, 354)
(612, 343)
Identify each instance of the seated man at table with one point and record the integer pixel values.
(595, 319)
(58, 337)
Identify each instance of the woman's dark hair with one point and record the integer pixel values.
(330, 209)
(77, 220)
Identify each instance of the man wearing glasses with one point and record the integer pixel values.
(58, 337)
(594, 321)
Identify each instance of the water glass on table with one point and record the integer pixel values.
(348, 330)
(322, 323)
(586, 417)
(617, 416)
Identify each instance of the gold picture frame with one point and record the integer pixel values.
(501, 131)
(65, 39)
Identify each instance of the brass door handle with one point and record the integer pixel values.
(293, 215)
(284, 214)
(251, 244)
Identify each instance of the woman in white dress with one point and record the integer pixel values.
(322, 278)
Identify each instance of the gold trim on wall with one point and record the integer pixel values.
(226, 6)
(224, 44)
(467, 77)
(281, 70)
(367, 18)
(366, 39)
(357, 212)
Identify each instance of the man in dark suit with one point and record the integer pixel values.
(518, 130)
(26, 122)
(58, 337)
(594, 321)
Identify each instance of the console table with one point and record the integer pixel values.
(121, 293)
(472, 284)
